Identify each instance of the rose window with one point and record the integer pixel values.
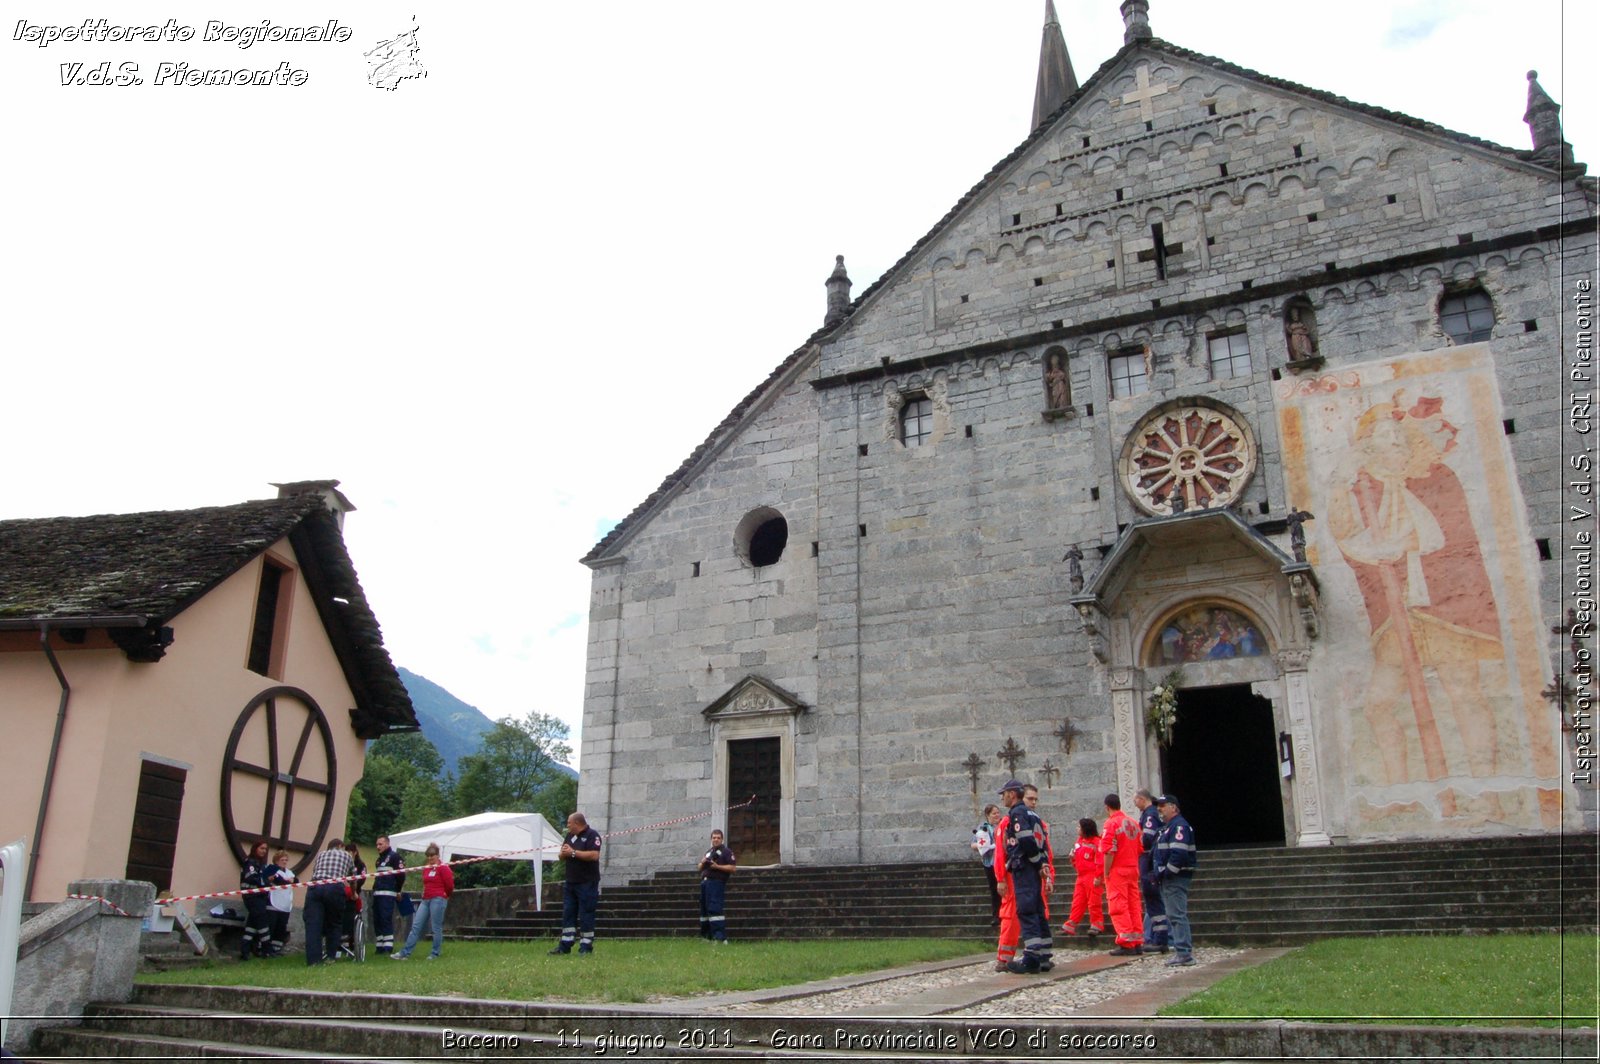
(1205, 454)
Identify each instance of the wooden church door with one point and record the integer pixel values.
(754, 769)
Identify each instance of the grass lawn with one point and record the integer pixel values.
(622, 970)
(1474, 979)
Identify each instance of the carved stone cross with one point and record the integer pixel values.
(1068, 734)
(973, 764)
(1145, 93)
(1011, 753)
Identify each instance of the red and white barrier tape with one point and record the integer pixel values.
(241, 892)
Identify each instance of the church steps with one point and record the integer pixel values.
(128, 1032)
(1418, 875)
(199, 1022)
(1225, 902)
(1265, 896)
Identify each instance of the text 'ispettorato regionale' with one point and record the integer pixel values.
(170, 72)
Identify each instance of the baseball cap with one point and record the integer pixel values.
(1011, 785)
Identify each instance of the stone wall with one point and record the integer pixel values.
(75, 953)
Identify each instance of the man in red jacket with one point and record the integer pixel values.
(1119, 843)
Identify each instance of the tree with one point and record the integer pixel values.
(399, 789)
(414, 748)
(517, 769)
(517, 760)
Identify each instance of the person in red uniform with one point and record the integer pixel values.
(1010, 926)
(1090, 886)
(1119, 848)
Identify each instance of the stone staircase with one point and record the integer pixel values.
(1255, 897)
(249, 1024)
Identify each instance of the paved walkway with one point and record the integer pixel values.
(1082, 985)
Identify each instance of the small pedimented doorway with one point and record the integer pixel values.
(1222, 764)
(752, 734)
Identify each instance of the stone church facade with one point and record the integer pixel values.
(1217, 382)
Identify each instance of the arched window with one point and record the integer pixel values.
(1468, 316)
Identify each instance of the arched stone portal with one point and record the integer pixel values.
(1203, 599)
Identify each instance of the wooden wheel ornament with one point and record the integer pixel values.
(289, 721)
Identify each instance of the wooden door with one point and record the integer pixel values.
(754, 769)
(153, 843)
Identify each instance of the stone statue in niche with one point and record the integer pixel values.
(1074, 560)
(1296, 520)
(1058, 390)
(1302, 347)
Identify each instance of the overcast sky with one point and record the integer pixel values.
(501, 303)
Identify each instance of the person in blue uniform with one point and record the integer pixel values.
(580, 894)
(715, 868)
(1025, 852)
(389, 877)
(1175, 861)
(1155, 914)
(256, 873)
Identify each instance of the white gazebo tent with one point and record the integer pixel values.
(505, 836)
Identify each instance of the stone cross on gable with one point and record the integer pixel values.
(1068, 734)
(1049, 772)
(973, 764)
(1011, 753)
(1145, 92)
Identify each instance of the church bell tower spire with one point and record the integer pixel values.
(1056, 81)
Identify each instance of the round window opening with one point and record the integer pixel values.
(761, 536)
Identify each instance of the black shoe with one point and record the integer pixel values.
(585, 952)
(1126, 951)
(1023, 966)
(560, 951)
(1045, 966)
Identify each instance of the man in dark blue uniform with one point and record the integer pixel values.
(387, 881)
(581, 892)
(1155, 914)
(1175, 861)
(715, 868)
(1025, 862)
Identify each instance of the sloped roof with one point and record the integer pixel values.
(152, 566)
(736, 415)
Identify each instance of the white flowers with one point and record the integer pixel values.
(1161, 714)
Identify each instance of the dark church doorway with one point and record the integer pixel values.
(754, 769)
(1222, 766)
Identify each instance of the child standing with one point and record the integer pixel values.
(281, 900)
(1090, 886)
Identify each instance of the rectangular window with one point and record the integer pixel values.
(916, 421)
(271, 621)
(1128, 373)
(1230, 356)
